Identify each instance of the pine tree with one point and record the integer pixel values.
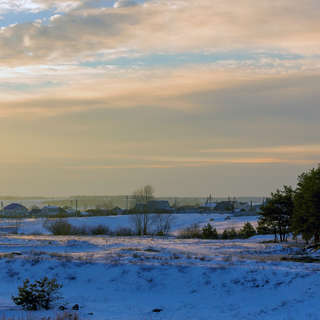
(37, 295)
(208, 232)
(306, 219)
(277, 212)
(247, 231)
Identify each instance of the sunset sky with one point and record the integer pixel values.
(191, 96)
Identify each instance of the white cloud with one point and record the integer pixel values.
(20, 5)
(209, 25)
(38, 5)
(124, 3)
(55, 17)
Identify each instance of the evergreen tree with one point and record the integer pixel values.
(263, 229)
(277, 213)
(229, 234)
(247, 231)
(306, 219)
(37, 295)
(208, 232)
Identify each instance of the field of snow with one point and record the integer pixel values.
(179, 221)
(127, 278)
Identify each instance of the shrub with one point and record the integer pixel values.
(81, 231)
(59, 227)
(193, 231)
(208, 232)
(247, 231)
(37, 295)
(229, 234)
(100, 230)
(123, 232)
(162, 223)
(63, 228)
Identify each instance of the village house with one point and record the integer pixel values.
(15, 209)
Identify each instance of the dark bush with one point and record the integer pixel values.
(100, 230)
(208, 232)
(37, 295)
(123, 232)
(247, 231)
(192, 232)
(63, 228)
(262, 228)
(229, 234)
(60, 227)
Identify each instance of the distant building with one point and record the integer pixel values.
(117, 210)
(225, 206)
(209, 205)
(51, 210)
(242, 206)
(158, 205)
(69, 210)
(15, 209)
(139, 207)
(188, 209)
(35, 211)
(153, 206)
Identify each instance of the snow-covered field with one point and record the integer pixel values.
(179, 221)
(126, 278)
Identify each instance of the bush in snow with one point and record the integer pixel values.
(59, 227)
(37, 295)
(64, 228)
(100, 230)
(247, 231)
(208, 232)
(192, 232)
(123, 232)
(229, 234)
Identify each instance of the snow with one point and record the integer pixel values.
(125, 278)
(179, 222)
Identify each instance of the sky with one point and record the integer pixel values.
(191, 96)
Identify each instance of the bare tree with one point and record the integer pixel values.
(137, 223)
(142, 220)
(144, 194)
(141, 223)
(162, 223)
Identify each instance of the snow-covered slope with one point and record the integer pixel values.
(126, 278)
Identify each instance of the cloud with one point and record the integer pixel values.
(18, 5)
(194, 163)
(125, 3)
(63, 91)
(55, 17)
(235, 93)
(175, 26)
(37, 5)
(85, 89)
(298, 149)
